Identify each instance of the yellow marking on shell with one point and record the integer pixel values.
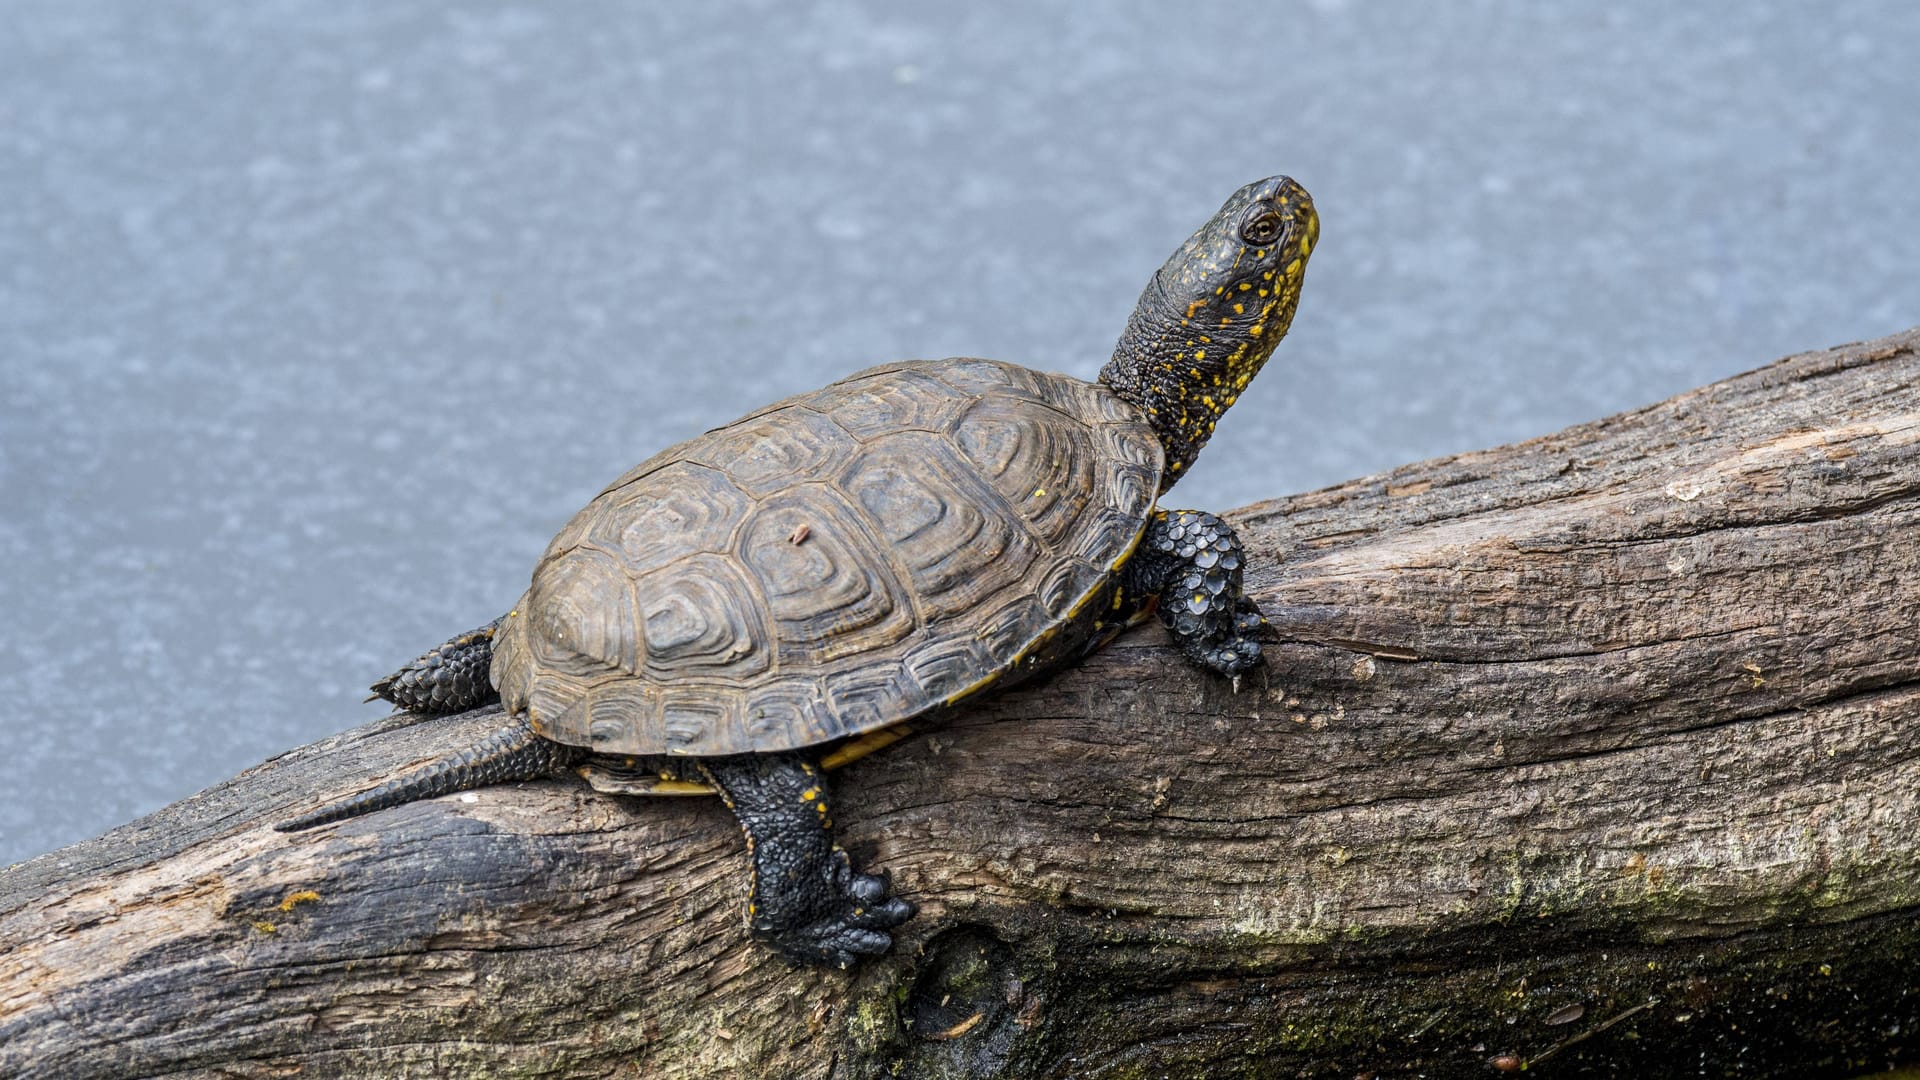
(1245, 285)
(1238, 309)
(1119, 561)
(866, 744)
(973, 688)
(1028, 653)
(664, 784)
(681, 787)
(810, 794)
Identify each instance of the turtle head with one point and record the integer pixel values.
(1211, 316)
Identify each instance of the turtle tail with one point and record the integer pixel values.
(514, 752)
(450, 678)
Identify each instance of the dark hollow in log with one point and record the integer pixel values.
(1596, 754)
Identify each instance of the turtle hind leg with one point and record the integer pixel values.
(1190, 562)
(449, 678)
(512, 753)
(807, 900)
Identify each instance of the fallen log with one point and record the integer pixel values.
(1596, 755)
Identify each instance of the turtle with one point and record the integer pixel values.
(743, 612)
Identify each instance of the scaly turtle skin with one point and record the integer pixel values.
(777, 596)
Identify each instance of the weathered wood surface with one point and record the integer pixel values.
(1600, 751)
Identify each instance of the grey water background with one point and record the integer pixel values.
(316, 320)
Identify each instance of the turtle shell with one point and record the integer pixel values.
(834, 563)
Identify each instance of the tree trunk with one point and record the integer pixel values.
(1595, 754)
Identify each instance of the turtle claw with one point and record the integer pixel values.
(1234, 655)
(842, 939)
(857, 929)
(874, 941)
(868, 889)
(872, 909)
(1247, 621)
(883, 914)
(845, 958)
(1239, 653)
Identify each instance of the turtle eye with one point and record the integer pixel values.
(1261, 227)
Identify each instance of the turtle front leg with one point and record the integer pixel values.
(1190, 562)
(807, 900)
(448, 678)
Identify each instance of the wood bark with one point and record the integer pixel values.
(1598, 754)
